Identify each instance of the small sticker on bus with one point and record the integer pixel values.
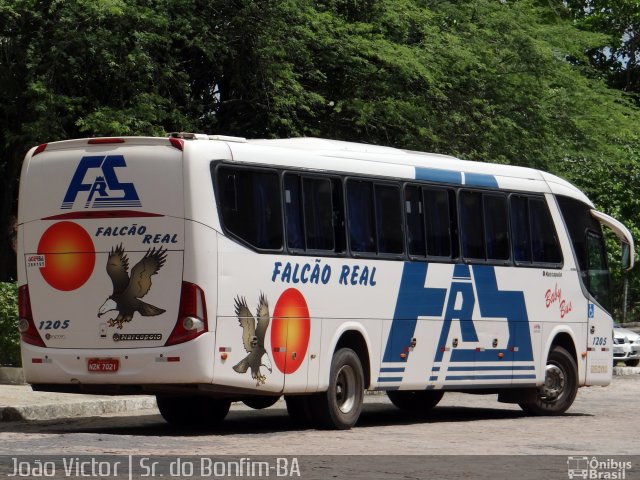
(37, 261)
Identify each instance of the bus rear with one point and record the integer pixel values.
(101, 254)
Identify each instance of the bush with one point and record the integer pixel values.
(9, 336)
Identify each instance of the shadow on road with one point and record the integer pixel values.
(271, 420)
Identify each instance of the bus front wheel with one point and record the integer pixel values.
(194, 411)
(560, 385)
(340, 406)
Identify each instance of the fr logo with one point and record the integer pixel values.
(96, 175)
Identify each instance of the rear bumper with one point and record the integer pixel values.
(183, 364)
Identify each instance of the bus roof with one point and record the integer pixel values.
(394, 156)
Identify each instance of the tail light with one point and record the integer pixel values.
(192, 315)
(28, 330)
(39, 149)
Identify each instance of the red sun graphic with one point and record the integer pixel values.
(290, 328)
(69, 256)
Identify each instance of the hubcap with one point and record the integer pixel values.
(554, 382)
(345, 389)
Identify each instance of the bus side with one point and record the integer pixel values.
(373, 264)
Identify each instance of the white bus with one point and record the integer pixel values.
(207, 270)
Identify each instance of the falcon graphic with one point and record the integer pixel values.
(253, 338)
(127, 292)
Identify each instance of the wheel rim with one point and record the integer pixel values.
(554, 383)
(345, 389)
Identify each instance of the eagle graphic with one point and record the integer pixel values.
(127, 291)
(253, 338)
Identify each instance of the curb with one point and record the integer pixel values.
(86, 408)
(11, 376)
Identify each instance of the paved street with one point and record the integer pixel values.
(602, 421)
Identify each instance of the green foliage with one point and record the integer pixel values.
(9, 336)
(487, 80)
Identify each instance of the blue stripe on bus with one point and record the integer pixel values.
(389, 379)
(479, 368)
(438, 175)
(388, 369)
(487, 377)
(480, 180)
(471, 386)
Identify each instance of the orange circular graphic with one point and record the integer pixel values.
(69, 256)
(290, 328)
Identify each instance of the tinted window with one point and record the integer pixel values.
(438, 221)
(586, 237)
(496, 227)
(415, 221)
(597, 270)
(520, 233)
(389, 219)
(318, 213)
(544, 242)
(534, 235)
(362, 235)
(250, 206)
(471, 223)
(293, 212)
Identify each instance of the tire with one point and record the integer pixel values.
(259, 402)
(632, 363)
(560, 388)
(299, 410)
(195, 411)
(340, 406)
(418, 401)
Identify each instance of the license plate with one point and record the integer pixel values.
(103, 365)
(617, 350)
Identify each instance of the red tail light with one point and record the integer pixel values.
(28, 330)
(177, 143)
(39, 149)
(192, 316)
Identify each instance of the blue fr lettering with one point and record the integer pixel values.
(414, 300)
(105, 190)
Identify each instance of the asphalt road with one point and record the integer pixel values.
(602, 421)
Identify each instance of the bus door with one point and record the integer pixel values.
(599, 325)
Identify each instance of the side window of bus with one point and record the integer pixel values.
(414, 215)
(471, 224)
(389, 219)
(361, 216)
(318, 213)
(250, 206)
(485, 226)
(431, 222)
(534, 236)
(309, 212)
(294, 218)
(544, 241)
(375, 220)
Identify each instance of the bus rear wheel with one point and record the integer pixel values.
(560, 385)
(415, 400)
(340, 406)
(192, 411)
